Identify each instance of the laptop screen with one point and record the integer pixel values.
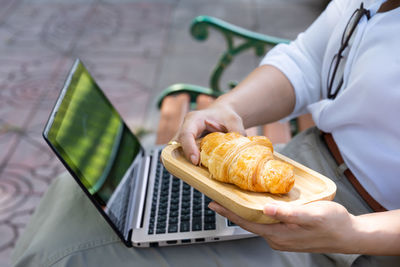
(90, 137)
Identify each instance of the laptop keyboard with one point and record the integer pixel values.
(177, 207)
(118, 209)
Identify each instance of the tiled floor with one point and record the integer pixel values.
(134, 49)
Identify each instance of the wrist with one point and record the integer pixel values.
(352, 239)
(367, 236)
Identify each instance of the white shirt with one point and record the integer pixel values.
(364, 119)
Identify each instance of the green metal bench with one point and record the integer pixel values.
(179, 98)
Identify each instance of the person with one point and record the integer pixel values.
(344, 70)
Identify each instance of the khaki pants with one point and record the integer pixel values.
(67, 230)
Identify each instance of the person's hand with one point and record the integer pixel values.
(219, 118)
(322, 226)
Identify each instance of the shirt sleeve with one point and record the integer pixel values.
(301, 60)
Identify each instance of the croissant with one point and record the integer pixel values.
(247, 162)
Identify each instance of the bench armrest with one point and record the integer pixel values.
(191, 89)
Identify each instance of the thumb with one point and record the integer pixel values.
(213, 126)
(288, 213)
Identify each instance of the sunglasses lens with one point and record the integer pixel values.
(332, 70)
(335, 70)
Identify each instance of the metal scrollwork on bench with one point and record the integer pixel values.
(200, 30)
(251, 40)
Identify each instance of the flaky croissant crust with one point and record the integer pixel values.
(247, 162)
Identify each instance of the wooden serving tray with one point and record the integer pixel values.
(309, 186)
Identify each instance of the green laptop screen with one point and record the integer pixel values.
(91, 138)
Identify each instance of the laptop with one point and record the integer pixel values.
(144, 204)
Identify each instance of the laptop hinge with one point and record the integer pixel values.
(128, 241)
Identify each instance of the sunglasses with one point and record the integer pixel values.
(337, 58)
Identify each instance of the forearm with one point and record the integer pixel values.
(377, 233)
(265, 95)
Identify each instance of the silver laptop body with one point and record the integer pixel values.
(144, 204)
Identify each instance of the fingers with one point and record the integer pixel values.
(196, 123)
(308, 214)
(238, 129)
(213, 126)
(284, 213)
(189, 131)
(190, 149)
(235, 124)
